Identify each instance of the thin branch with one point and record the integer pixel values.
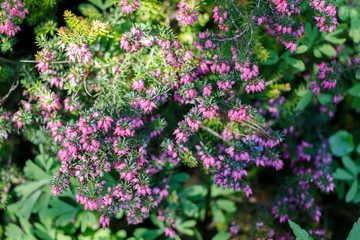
(275, 79)
(213, 133)
(7, 60)
(54, 62)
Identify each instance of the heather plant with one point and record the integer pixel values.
(172, 119)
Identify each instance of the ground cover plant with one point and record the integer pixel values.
(191, 119)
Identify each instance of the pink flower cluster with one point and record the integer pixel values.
(11, 12)
(128, 6)
(221, 16)
(186, 15)
(78, 53)
(326, 15)
(327, 75)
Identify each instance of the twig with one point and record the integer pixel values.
(213, 133)
(14, 85)
(54, 62)
(7, 60)
(274, 80)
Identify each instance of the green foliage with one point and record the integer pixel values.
(341, 143)
(299, 233)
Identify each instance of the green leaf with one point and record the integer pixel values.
(324, 98)
(356, 103)
(328, 50)
(226, 205)
(296, 64)
(121, 234)
(299, 233)
(24, 207)
(344, 12)
(189, 223)
(190, 208)
(222, 236)
(273, 59)
(194, 190)
(219, 191)
(357, 197)
(27, 189)
(358, 149)
(332, 36)
(350, 195)
(317, 53)
(13, 232)
(355, 231)
(62, 210)
(342, 174)
(349, 165)
(101, 5)
(355, 90)
(301, 49)
(218, 215)
(89, 10)
(26, 226)
(302, 104)
(341, 143)
(180, 177)
(148, 234)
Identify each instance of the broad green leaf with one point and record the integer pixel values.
(354, 31)
(355, 90)
(304, 101)
(355, 231)
(101, 5)
(27, 189)
(194, 190)
(26, 226)
(156, 222)
(332, 36)
(344, 12)
(226, 205)
(324, 98)
(148, 234)
(342, 174)
(350, 195)
(13, 232)
(42, 204)
(190, 208)
(89, 10)
(180, 177)
(356, 103)
(296, 64)
(317, 53)
(218, 215)
(299, 233)
(121, 234)
(341, 143)
(44, 232)
(357, 197)
(219, 191)
(301, 49)
(357, 75)
(62, 210)
(189, 223)
(25, 206)
(328, 50)
(185, 231)
(349, 165)
(358, 149)
(222, 236)
(273, 59)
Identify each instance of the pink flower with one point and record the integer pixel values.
(138, 85)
